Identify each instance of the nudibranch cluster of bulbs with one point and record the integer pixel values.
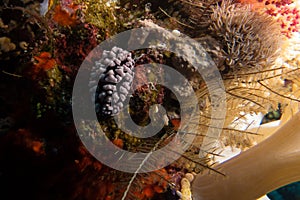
(114, 71)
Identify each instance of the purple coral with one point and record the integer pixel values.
(115, 75)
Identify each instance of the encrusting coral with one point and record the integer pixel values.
(6, 45)
(103, 15)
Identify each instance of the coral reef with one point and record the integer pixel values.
(22, 35)
(43, 44)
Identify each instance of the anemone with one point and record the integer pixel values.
(251, 40)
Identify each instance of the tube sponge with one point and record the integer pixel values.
(115, 74)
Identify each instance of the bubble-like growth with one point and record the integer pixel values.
(115, 69)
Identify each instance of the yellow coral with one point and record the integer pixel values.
(102, 14)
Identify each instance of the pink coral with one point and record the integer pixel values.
(281, 10)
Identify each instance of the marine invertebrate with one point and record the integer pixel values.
(147, 92)
(49, 81)
(79, 40)
(66, 15)
(145, 186)
(115, 69)
(44, 62)
(279, 154)
(189, 17)
(6, 45)
(283, 11)
(288, 17)
(113, 183)
(28, 140)
(22, 35)
(100, 182)
(87, 160)
(251, 40)
(101, 14)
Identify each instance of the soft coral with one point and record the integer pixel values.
(45, 62)
(66, 15)
(283, 12)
